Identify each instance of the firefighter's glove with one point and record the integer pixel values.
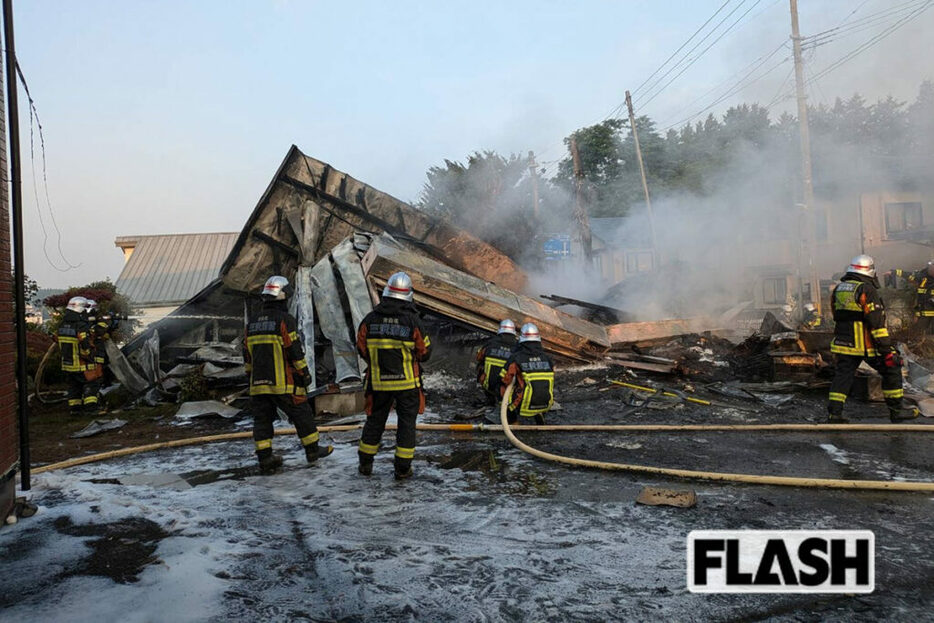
(302, 379)
(892, 360)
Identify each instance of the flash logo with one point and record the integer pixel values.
(781, 561)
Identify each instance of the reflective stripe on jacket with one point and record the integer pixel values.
(491, 359)
(859, 313)
(535, 379)
(74, 342)
(273, 353)
(392, 340)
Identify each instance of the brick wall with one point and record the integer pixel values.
(9, 432)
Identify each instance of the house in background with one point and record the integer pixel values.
(163, 272)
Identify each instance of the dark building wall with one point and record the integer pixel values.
(9, 431)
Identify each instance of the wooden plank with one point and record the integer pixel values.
(662, 368)
(643, 331)
(465, 291)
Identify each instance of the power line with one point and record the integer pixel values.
(645, 103)
(868, 23)
(696, 32)
(872, 41)
(33, 111)
(687, 54)
(864, 20)
(777, 98)
(745, 72)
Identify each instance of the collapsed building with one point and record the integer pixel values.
(338, 240)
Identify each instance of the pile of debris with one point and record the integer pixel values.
(338, 240)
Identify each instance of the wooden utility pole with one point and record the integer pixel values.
(806, 261)
(533, 170)
(583, 222)
(645, 183)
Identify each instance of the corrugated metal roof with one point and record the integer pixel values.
(170, 269)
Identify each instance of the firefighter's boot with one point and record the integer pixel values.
(366, 464)
(835, 411)
(314, 451)
(403, 468)
(269, 463)
(903, 414)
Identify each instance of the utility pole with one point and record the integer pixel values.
(806, 262)
(583, 222)
(645, 184)
(16, 209)
(534, 172)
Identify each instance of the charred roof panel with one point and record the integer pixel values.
(331, 206)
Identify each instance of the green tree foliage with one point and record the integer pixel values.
(854, 145)
(491, 196)
(108, 301)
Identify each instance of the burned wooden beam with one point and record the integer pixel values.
(614, 314)
(478, 303)
(629, 332)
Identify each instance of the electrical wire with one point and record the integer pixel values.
(722, 83)
(873, 41)
(660, 90)
(816, 41)
(652, 90)
(696, 32)
(33, 111)
(737, 87)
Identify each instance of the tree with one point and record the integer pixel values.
(490, 196)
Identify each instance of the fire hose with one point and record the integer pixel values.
(40, 372)
(633, 428)
(757, 479)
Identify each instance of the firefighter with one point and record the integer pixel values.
(100, 332)
(491, 359)
(275, 361)
(812, 318)
(534, 374)
(77, 348)
(860, 333)
(393, 342)
(923, 281)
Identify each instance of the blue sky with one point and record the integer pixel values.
(164, 117)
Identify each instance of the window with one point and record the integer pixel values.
(902, 216)
(774, 290)
(638, 261)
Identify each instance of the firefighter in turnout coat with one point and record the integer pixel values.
(78, 362)
(534, 374)
(923, 282)
(860, 333)
(275, 361)
(393, 342)
(491, 359)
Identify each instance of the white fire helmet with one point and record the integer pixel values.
(530, 333)
(507, 326)
(399, 287)
(809, 307)
(862, 265)
(77, 304)
(92, 306)
(276, 288)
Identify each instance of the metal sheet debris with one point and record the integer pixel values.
(205, 408)
(97, 427)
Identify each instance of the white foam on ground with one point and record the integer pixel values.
(836, 454)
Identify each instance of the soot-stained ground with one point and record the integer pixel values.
(483, 532)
